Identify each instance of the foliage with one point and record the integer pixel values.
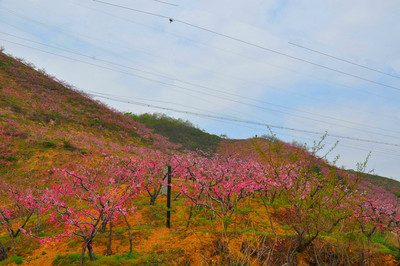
(179, 131)
(383, 182)
(11, 260)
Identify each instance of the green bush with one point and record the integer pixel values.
(17, 260)
(49, 144)
(69, 259)
(68, 145)
(179, 131)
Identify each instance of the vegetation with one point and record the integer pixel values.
(179, 131)
(383, 182)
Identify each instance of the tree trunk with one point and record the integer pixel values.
(91, 252)
(103, 227)
(13, 240)
(82, 255)
(269, 217)
(109, 250)
(304, 244)
(38, 221)
(190, 216)
(130, 235)
(3, 252)
(153, 199)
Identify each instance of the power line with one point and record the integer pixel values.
(253, 44)
(343, 60)
(140, 24)
(149, 100)
(185, 88)
(231, 52)
(216, 90)
(248, 122)
(385, 153)
(167, 3)
(210, 116)
(94, 93)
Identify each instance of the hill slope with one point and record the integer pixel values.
(45, 122)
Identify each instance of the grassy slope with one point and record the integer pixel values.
(44, 122)
(179, 131)
(383, 182)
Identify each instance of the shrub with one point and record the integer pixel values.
(48, 144)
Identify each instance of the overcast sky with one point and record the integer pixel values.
(177, 65)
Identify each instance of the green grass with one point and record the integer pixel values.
(49, 144)
(14, 259)
(154, 258)
(387, 246)
(69, 259)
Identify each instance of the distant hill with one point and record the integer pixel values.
(179, 131)
(380, 181)
(245, 148)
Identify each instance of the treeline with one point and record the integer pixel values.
(179, 131)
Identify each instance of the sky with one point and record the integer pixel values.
(302, 67)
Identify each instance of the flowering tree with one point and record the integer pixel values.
(217, 183)
(89, 198)
(15, 212)
(148, 168)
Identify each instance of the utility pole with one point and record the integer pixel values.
(169, 197)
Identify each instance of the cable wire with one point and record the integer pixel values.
(248, 122)
(224, 92)
(212, 116)
(254, 45)
(167, 3)
(343, 60)
(143, 25)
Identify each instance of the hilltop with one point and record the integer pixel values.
(81, 184)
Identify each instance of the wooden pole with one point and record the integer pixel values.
(169, 198)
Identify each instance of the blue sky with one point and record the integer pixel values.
(216, 75)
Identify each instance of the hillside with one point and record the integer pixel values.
(380, 181)
(81, 184)
(44, 122)
(179, 131)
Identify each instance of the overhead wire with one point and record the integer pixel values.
(235, 120)
(150, 100)
(384, 153)
(330, 135)
(185, 88)
(252, 44)
(166, 3)
(343, 60)
(94, 94)
(251, 122)
(231, 52)
(205, 115)
(218, 48)
(217, 90)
